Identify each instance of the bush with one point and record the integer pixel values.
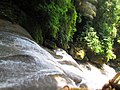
(60, 20)
(100, 35)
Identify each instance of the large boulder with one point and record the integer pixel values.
(86, 7)
(6, 26)
(24, 65)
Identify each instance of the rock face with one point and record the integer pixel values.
(24, 65)
(7, 26)
(86, 7)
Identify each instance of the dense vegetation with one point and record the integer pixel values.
(60, 16)
(101, 32)
(93, 25)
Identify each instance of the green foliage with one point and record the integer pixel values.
(106, 21)
(118, 34)
(54, 22)
(118, 23)
(61, 20)
(100, 35)
(92, 40)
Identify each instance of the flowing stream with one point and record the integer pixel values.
(92, 77)
(24, 65)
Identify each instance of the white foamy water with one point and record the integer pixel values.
(92, 76)
(25, 65)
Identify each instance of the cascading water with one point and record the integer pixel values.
(24, 65)
(85, 74)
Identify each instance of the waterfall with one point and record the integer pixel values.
(90, 75)
(24, 65)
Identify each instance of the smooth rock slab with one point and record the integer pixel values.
(24, 65)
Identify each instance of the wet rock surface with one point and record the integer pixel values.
(24, 65)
